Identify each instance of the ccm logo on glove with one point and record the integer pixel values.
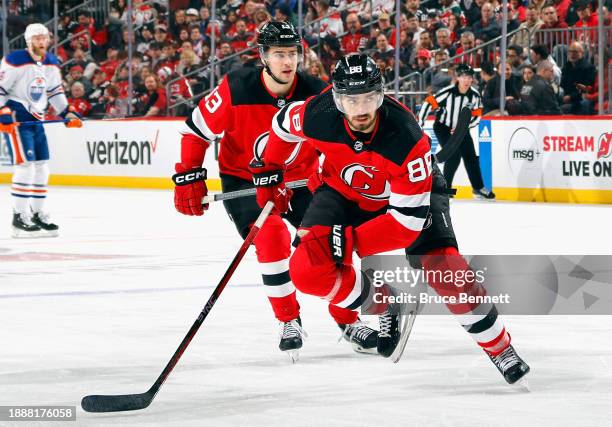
(189, 177)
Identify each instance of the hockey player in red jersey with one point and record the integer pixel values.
(241, 109)
(379, 190)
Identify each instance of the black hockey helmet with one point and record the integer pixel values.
(278, 33)
(464, 70)
(356, 75)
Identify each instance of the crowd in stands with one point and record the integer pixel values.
(173, 40)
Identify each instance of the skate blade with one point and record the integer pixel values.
(359, 349)
(51, 233)
(294, 355)
(522, 385)
(20, 234)
(405, 330)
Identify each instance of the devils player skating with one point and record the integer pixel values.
(377, 188)
(29, 80)
(241, 108)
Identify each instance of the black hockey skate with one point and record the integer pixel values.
(483, 194)
(510, 365)
(291, 338)
(48, 229)
(363, 338)
(389, 334)
(23, 227)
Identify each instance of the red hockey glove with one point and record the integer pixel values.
(270, 186)
(326, 243)
(189, 190)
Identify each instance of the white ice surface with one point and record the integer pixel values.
(102, 308)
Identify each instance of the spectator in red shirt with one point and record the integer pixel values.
(178, 90)
(562, 7)
(77, 99)
(588, 18)
(241, 39)
(467, 42)
(153, 102)
(115, 107)
(355, 40)
(169, 57)
(551, 21)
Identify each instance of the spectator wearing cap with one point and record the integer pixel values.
(146, 37)
(192, 16)
(443, 40)
(331, 22)
(76, 75)
(355, 40)
(537, 95)
(487, 28)
(525, 36)
(177, 90)
(385, 27)
(77, 99)
(423, 60)
(577, 71)
(161, 33)
(79, 57)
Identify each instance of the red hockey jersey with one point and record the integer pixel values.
(241, 110)
(391, 170)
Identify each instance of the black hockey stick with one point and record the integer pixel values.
(455, 140)
(247, 192)
(132, 402)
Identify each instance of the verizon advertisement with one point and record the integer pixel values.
(552, 154)
(128, 148)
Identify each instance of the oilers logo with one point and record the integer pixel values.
(37, 88)
(260, 146)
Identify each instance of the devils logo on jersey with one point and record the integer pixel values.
(36, 88)
(365, 181)
(260, 146)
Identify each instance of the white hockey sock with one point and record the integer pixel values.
(41, 179)
(21, 189)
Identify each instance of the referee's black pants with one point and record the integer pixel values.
(466, 152)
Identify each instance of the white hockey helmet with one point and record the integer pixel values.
(35, 30)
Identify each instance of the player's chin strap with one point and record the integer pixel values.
(271, 74)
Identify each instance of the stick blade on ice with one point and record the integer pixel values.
(117, 403)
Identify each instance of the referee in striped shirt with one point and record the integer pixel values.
(446, 104)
